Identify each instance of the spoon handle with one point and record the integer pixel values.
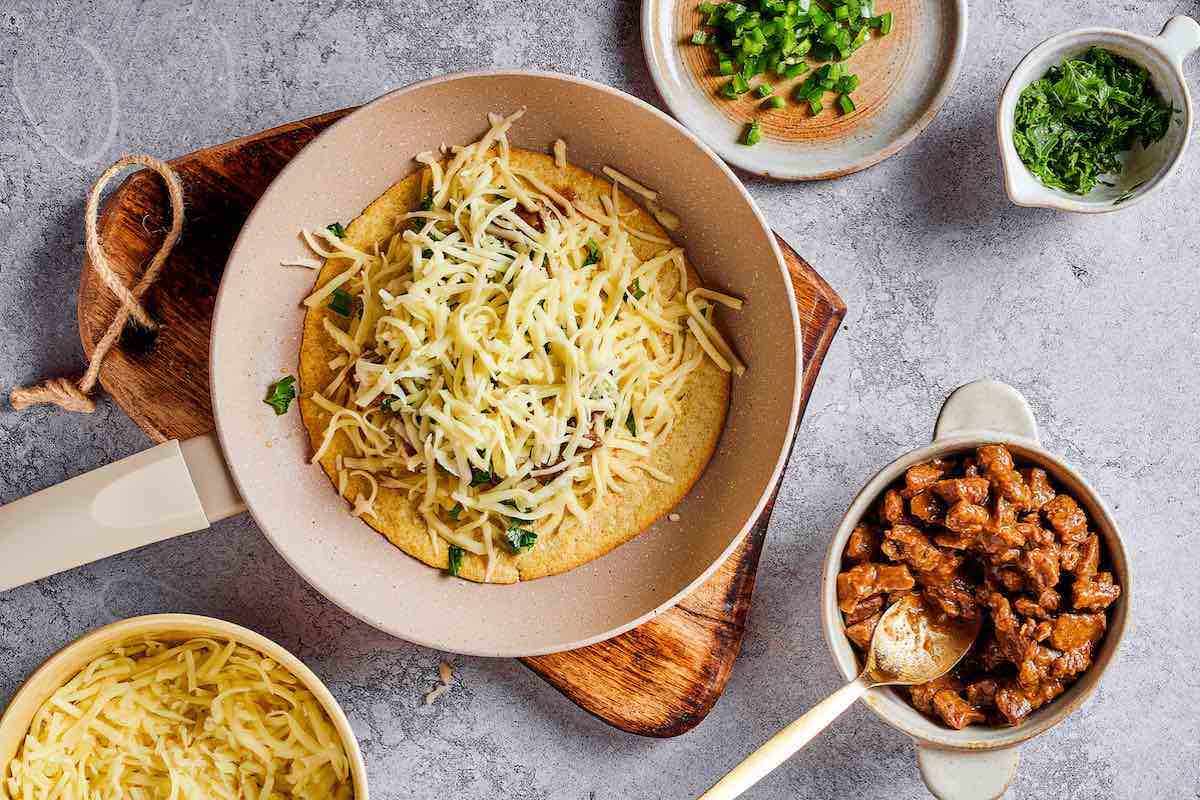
(781, 746)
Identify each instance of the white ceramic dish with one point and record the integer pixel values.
(1145, 169)
(978, 762)
(906, 77)
(63, 665)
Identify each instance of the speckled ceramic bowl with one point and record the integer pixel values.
(906, 76)
(1145, 169)
(63, 665)
(978, 762)
(257, 330)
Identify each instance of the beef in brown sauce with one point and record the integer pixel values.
(979, 535)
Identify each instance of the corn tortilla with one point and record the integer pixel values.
(617, 519)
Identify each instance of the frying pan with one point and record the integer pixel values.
(262, 459)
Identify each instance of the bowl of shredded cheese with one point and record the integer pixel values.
(177, 706)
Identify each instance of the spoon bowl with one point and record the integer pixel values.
(912, 646)
(909, 646)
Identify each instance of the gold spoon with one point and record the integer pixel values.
(909, 646)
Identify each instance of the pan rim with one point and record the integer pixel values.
(392, 627)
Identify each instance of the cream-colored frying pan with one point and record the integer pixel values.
(179, 487)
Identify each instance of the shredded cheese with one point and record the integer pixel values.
(194, 720)
(510, 360)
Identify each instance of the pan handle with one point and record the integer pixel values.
(162, 492)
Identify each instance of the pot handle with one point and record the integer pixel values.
(967, 774)
(975, 410)
(985, 406)
(1180, 37)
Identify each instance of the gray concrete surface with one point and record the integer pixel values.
(1094, 319)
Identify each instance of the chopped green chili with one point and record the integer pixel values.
(750, 38)
(753, 134)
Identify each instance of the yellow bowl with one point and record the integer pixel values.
(62, 666)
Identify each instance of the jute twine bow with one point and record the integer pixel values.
(73, 396)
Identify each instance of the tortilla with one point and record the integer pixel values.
(684, 454)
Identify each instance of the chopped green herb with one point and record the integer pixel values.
(519, 539)
(774, 102)
(764, 90)
(815, 105)
(479, 477)
(753, 134)
(454, 559)
(340, 302)
(455, 512)
(1071, 126)
(885, 24)
(593, 254)
(845, 104)
(386, 403)
(699, 37)
(631, 424)
(635, 289)
(337, 230)
(427, 202)
(280, 394)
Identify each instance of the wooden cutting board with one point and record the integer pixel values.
(659, 679)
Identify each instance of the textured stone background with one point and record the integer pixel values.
(1094, 320)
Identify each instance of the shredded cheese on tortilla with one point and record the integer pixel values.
(510, 360)
(195, 720)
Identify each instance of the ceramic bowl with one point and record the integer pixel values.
(906, 76)
(62, 666)
(979, 761)
(1145, 169)
(724, 235)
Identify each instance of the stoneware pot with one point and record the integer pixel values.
(62, 666)
(1145, 168)
(980, 761)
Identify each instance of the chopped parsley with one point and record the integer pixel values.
(636, 290)
(480, 477)
(280, 394)
(337, 230)
(427, 202)
(1071, 125)
(593, 256)
(519, 539)
(340, 302)
(454, 559)
(455, 512)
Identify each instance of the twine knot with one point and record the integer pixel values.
(73, 395)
